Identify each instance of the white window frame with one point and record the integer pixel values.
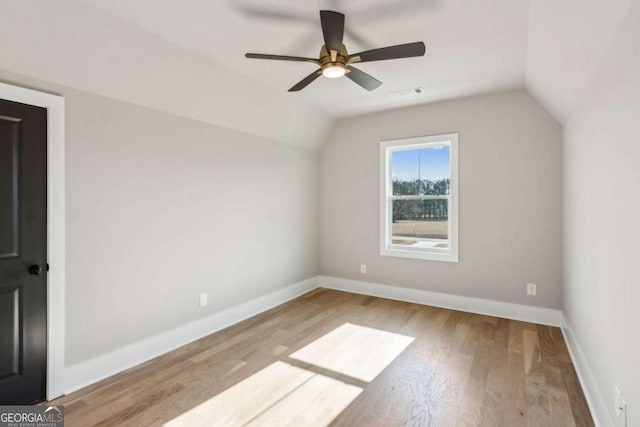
(386, 197)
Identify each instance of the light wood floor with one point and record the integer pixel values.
(343, 359)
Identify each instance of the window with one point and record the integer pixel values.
(419, 198)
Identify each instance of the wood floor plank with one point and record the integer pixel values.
(331, 357)
(514, 401)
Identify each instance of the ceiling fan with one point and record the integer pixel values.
(334, 61)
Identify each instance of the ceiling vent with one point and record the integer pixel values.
(407, 92)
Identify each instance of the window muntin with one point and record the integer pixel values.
(419, 198)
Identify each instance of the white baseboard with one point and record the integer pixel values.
(592, 393)
(526, 313)
(90, 371)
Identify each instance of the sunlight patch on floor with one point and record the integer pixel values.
(354, 350)
(285, 395)
(278, 395)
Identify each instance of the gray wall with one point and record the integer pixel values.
(602, 211)
(161, 208)
(510, 199)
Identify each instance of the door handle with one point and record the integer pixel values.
(35, 269)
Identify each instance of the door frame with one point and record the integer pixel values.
(55, 227)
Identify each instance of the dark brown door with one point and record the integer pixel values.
(23, 253)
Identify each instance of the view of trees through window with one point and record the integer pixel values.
(420, 197)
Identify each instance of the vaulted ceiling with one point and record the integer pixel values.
(567, 39)
(187, 57)
(472, 47)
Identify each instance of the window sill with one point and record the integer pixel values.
(424, 255)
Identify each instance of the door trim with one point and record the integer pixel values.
(55, 226)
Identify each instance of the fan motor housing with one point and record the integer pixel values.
(333, 58)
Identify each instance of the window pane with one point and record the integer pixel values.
(419, 209)
(420, 223)
(422, 171)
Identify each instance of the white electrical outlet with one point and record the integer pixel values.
(621, 410)
(363, 268)
(531, 289)
(203, 299)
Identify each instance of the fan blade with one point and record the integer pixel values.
(273, 14)
(396, 9)
(391, 52)
(363, 79)
(356, 37)
(305, 82)
(332, 30)
(281, 57)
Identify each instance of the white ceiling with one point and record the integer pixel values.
(72, 43)
(566, 41)
(472, 46)
(187, 57)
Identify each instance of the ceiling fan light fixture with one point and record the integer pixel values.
(334, 71)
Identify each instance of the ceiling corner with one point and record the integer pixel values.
(566, 41)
